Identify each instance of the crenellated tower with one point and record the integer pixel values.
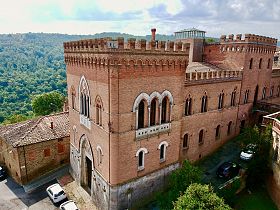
(123, 97)
(254, 56)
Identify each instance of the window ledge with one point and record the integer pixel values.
(85, 121)
(141, 168)
(185, 148)
(161, 160)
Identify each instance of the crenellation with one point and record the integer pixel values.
(141, 44)
(108, 44)
(131, 43)
(161, 45)
(248, 38)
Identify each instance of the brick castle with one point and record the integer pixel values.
(138, 108)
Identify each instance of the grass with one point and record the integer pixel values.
(258, 200)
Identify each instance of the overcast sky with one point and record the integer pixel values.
(139, 16)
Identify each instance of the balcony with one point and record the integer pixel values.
(85, 121)
(152, 130)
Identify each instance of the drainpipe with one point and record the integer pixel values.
(26, 174)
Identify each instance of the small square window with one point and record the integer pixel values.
(47, 152)
(60, 148)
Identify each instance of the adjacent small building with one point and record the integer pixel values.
(35, 147)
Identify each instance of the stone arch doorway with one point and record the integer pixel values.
(86, 164)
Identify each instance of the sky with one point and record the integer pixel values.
(137, 17)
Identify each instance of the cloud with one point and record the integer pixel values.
(138, 16)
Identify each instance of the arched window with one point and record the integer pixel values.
(141, 114)
(141, 157)
(229, 128)
(162, 150)
(185, 141)
(232, 100)
(188, 106)
(271, 91)
(260, 64)
(84, 98)
(141, 160)
(153, 112)
(221, 101)
(73, 97)
(164, 110)
(268, 63)
(251, 63)
(217, 134)
(204, 103)
(99, 155)
(264, 93)
(201, 137)
(74, 133)
(246, 96)
(98, 110)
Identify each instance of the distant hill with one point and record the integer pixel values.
(33, 63)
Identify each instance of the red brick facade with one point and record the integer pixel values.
(140, 92)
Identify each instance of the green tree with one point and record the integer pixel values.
(259, 166)
(15, 118)
(179, 181)
(200, 197)
(47, 103)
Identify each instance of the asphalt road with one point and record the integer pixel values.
(13, 197)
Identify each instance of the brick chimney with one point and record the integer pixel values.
(153, 30)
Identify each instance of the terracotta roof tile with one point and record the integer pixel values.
(36, 130)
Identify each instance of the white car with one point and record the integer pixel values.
(68, 205)
(56, 193)
(248, 152)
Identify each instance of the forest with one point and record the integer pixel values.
(32, 64)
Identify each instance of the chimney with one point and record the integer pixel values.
(51, 125)
(153, 30)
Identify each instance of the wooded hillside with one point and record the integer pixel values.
(32, 64)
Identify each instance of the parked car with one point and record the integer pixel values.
(228, 170)
(248, 152)
(3, 173)
(56, 193)
(68, 205)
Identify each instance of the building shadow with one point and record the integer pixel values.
(28, 198)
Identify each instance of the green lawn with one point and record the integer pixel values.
(257, 200)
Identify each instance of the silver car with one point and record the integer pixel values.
(248, 152)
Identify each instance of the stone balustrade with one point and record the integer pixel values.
(205, 76)
(152, 130)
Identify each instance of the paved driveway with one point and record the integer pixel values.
(228, 152)
(13, 197)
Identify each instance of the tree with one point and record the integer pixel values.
(15, 118)
(258, 167)
(200, 197)
(47, 103)
(179, 181)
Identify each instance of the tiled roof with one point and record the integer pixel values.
(36, 130)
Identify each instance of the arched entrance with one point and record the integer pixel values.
(86, 164)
